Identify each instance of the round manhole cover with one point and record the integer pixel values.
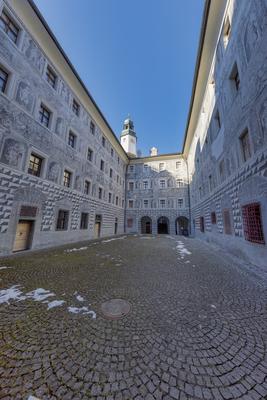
(115, 308)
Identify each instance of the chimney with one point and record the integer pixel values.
(153, 151)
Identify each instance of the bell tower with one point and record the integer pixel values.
(128, 138)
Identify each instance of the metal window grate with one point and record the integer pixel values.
(252, 224)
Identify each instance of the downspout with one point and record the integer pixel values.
(189, 200)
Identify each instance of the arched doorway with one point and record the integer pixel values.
(181, 226)
(163, 225)
(146, 225)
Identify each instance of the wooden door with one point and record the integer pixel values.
(97, 229)
(23, 235)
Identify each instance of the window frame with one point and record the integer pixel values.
(40, 169)
(41, 111)
(3, 89)
(84, 223)
(245, 134)
(250, 228)
(65, 221)
(49, 71)
(91, 152)
(71, 133)
(14, 22)
(69, 179)
(87, 187)
(76, 107)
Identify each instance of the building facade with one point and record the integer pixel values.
(226, 139)
(157, 195)
(65, 177)
(62, 168)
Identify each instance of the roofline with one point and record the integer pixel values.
(53, 37)
(198, 60)
(156, 156)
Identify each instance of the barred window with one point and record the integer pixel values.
(35, 165)
(102, 164)
(117, 200)
(179, 182)
(162, 203)
(109, 197)
(180, 203)
(9, 27)
(162, 184)
(252, 223)
(145, 203)
(3, 80)
(100, 192)
(145, 184)
(62, 220)
(84, 221)
(129, 223)
(131, 186)
(110, 172)
(130, 204)
(44, 115)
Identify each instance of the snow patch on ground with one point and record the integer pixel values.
(82, 310)
(55, 303)
(79, 297)
(74, 249)
(182, 250)
(39, 294)
(15, 293)
(12, 293)
(111, 240)
(4, 267)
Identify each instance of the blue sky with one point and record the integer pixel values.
(136, 57)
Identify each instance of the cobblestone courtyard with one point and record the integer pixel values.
(196, 329)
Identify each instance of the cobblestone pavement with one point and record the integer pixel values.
(196, 329)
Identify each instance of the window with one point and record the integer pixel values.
(84, 220)
(92, 128)
(75, 107)
(161, 166)
(89, 154)
(213, 218)
(162, 203)
(145, 167)
(252, 223)
(131, 168)
(180, 203)
(217, 120)
(235, 77)
(117, 178)
(66, 178)
(129, 223)
(3, 80)
(110, 172)
(118, 160)
(131, 186)
(117, 200)
(44, 115)
(122, 203)
(222, 170)
(62, 220)
(245, 145)
(162, 184)
(145, 184)
(9, 27)
(227, 222)
(210, 183)
(109, 197)
(130, 203)
(87, 187)
(102, 165)
(178, 164)
(112, 152)
(179, 182)
(201, 224)
(72, 139)
(103, 141)
(35, 165)
(145, 203)
(51, 77)
(100, 192)
(226, 32)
